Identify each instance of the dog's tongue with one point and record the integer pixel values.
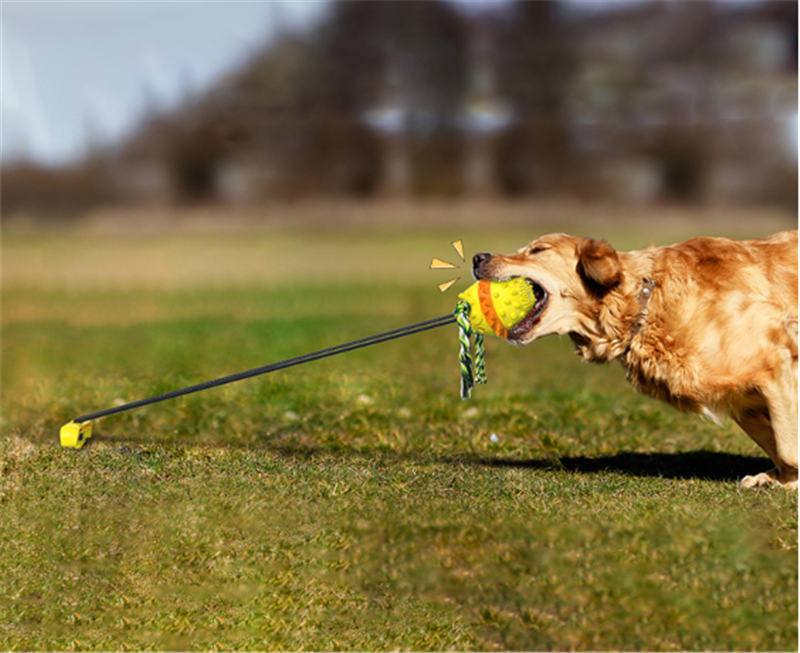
(497, 306)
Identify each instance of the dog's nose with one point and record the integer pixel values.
(477, 262)
(479, 259)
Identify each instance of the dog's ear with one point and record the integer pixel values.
(598, 264)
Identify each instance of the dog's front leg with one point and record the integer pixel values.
(775, 430)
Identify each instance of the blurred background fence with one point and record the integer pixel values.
(636, 102)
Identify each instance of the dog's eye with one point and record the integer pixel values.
(536, 249)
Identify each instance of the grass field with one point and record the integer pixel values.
(354, 503)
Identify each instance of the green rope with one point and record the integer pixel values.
(480, 361)
(471, 372)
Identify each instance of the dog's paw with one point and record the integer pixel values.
(771, 478)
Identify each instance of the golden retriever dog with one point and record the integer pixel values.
(708, 326)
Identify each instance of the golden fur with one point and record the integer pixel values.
(708, 326)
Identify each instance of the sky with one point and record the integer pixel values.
(80, 73)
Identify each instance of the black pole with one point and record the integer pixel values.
(280, 365)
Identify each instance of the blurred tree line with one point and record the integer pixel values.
(687, 101)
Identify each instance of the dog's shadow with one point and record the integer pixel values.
(698, 464)
(702, 465)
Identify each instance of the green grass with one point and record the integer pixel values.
(357, 503)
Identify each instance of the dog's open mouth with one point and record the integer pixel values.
(520, 329)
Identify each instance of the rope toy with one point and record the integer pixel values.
(485, 306)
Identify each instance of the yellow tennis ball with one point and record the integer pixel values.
(498, 305)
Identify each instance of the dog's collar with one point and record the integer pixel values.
(648, 285)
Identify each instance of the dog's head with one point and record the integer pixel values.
(569, 277)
